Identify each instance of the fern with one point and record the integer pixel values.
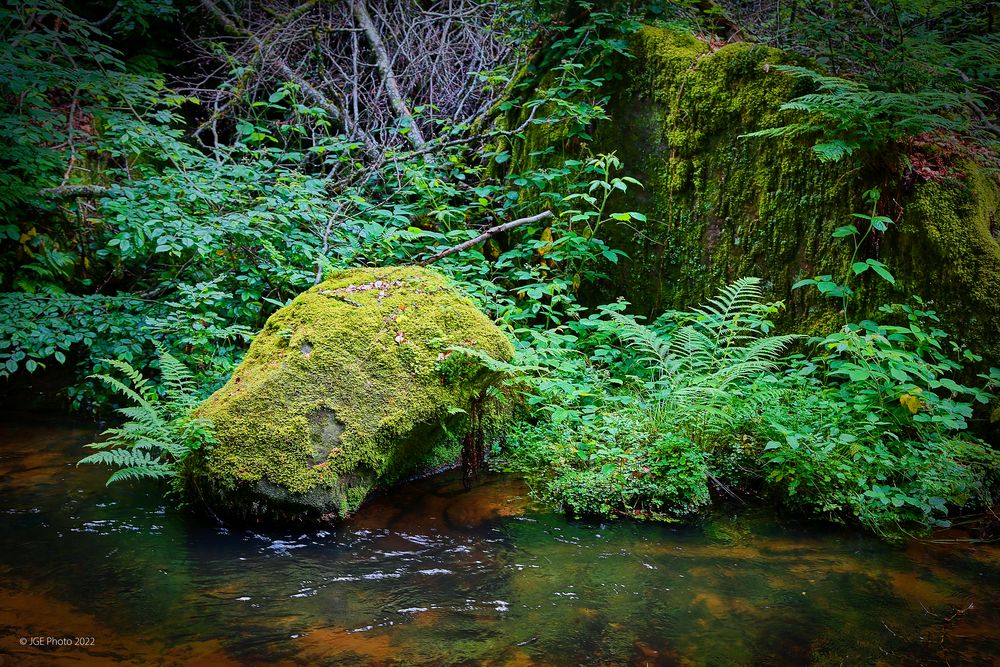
(158, 433)
(134, 464)
(707, 356)
(847, 115)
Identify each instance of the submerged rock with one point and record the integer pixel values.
(349, 387)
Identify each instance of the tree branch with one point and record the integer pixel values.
(385, 69)
(71, 191)
(315, 95)
(488, 234)
(437, 145)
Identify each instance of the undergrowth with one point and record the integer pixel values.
(870, 425)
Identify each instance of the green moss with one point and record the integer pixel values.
(720, 206)
(949, 254)
(342, 391)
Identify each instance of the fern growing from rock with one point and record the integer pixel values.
(847, 115)
(159, 432)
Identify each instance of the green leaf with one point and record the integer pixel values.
(846, 230)
(881, 222)
(880, 269)
(899, 374)
(859, 374)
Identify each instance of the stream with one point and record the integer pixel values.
(432, 574)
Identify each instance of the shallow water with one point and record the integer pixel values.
(430, 574)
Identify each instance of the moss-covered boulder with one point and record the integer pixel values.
(720, 206)
(349, 387)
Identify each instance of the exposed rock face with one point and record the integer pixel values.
(349, 387)
(721, 206)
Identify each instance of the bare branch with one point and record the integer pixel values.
(385, 69)
(71, 191)
(488, 234)
(315, 95)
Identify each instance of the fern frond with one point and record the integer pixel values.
(125, 458)
(739, 297)
(694, 348)
(832, 151)
(706, 361)
(848, 114)
(134, 464)
(136, 394)
(768, 348)
(824, 82)
(157, 434)
(141, 472)
(792, 130)
(177, 379)
(147, 415)
(139, 384)
(653, 349)
(513, 368)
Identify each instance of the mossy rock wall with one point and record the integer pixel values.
(349, 387)
(720, 207)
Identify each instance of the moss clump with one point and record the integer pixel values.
(344, 389)
(949, 254)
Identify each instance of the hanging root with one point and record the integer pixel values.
(474, 448)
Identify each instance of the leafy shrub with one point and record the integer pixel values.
(872, 426)
(868, 428)
(833, 457)
(157, 237)
(616, 464)
(639, 444)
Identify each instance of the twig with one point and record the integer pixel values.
(489, 233)
(319, 98)
(725, 488)
(960, 612)
(438, 145)
(388, 77)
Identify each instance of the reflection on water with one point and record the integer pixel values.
(431, 574)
